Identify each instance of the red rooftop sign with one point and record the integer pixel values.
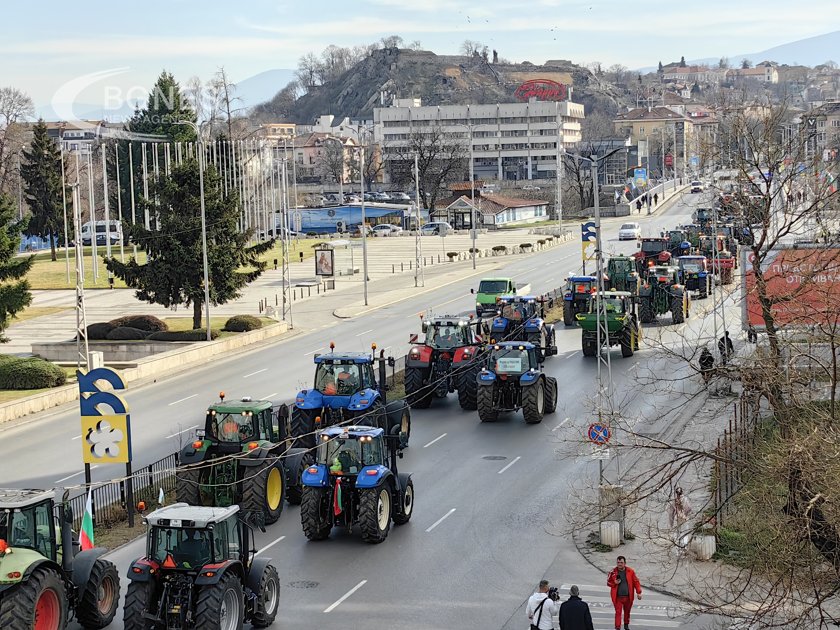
(542, 89)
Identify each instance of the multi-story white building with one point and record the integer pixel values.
(510, 140)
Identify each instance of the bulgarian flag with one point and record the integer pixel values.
(86, 535)
(337, 497)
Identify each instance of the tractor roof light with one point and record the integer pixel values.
(222, 396)
(325, 438)
(317, 419)
(212, 412)
(373, 347)
(372, 472)
(332, 346)
(253, 445)
(312, 470)
(198, 444)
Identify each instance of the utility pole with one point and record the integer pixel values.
(419, 281)
(82, 354)
(286, 280)
(561, 151)
(472, 196)
(363, 226)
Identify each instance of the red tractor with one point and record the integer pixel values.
(652, 251)
(444, 362)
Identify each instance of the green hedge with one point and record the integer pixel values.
(183, 335)
(242, 323)
(30, 373)
(126, 333)
(149, 323)
(99, 331)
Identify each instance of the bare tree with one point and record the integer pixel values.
(415, 45)
(281, 106)
(308, 71)
(392, 41)
(223, 94)
(617, 73)
(471, 48)
(15, 106)
(331, 161)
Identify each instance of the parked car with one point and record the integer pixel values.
(696, 186)
(383, 229)
(629, 232)
(357, 231)
(381, 196)
(530, 187)
(436, 228)
(400, 196)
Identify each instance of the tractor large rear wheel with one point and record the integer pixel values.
(303, 427)
(468, 387)
(626, 343)
(484, 401)
(188, 484)
(677, 314)
(314, 513)
(646, 314)
(137, 599)
(589, 345)
(264, 491)
(37, 603)
(533, 402)
(100, 597)
(375, 513)
(221, 606)
(568, 316)
(294, 488)
(418, 395)
(551, 394)
(406, 509)
(268, 598)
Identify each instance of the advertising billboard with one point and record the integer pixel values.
(802, 282)
(542, 90)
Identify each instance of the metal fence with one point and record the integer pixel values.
(109, 499)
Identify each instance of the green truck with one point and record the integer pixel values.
(491, 288)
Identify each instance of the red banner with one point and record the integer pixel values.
(804, 284)
(542, 90)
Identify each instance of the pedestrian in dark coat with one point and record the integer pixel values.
(639, 206)
(647, 199)
(655, 198)
(574, 612)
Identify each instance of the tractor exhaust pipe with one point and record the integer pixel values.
(382, 377)
(65, 521)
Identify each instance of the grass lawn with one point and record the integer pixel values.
(303, 245)
(49, 274)
(179, 324)
(31, 312)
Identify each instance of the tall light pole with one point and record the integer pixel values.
(472, 196)
(561, 151)
(364, 224)
(200, 150)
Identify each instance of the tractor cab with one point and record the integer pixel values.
(347, 450)
(696, 274)
(512, 359)
(449, 332)
(27, 521)
(576, 296)
(652, 250)
(512, 312)
(615, 303)
(692, 265)
(663, 275)
(241, 421)
(344, 374)
(622, 274)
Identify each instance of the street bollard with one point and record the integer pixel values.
(401, 267)
(275, 264)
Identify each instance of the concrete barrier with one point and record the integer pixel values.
(113, 351)
(145, 369)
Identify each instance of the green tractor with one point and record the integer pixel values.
(243, 456)
(662, 292)
(622, 275)
(622, 323)
(44, 579)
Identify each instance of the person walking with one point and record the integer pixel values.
(647, 200)
(542, 606)
(574, 612)
(679, 509)
(624, 587)
(725, 347)
(655, 198)
(639, 206)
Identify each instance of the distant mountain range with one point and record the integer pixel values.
(811, 51)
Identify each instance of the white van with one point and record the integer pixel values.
(105, 231)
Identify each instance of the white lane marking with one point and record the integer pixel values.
(270, 396)
(313, 352)
(440, 437)
(78, 437)
(253, 373)
(365, 332)
(182, 400)
(195, 426)
(560, 425)
(345, 596)
(75, 474)
(508, 466)
(269, 545)
(440, 520)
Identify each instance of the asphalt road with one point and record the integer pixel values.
(491, 499)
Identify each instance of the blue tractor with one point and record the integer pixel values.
(512, 379)
(520, 318)
(354, 481)
(346, 390)
(576, 297)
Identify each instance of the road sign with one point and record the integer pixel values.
(695, 161)
(599, 433)
(588, 237)
(640, 177)
(600, 452)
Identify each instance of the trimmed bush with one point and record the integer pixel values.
(149, 323)
(183, 335)
(30, 373)
(127, 333)
(525, 245)
(242, 323)
(452, 254)
(499, 248)
(99, 331)
(541, 242)
(474, 250)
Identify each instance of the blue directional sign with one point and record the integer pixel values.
(599, 433)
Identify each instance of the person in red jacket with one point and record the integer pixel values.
(624, 586)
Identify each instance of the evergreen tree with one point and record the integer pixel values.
(41, 171)
(14, 288)
(660, 69)
(682, 62)
(173, 273)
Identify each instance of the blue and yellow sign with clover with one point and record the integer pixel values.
(106, 423)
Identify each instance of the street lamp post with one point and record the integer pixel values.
(561, 151)
(364, 224)
(472, 197)
(200, 150)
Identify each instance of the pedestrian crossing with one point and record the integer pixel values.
(649, 613)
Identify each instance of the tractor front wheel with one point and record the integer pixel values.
(303, 427)
(264, 490)
(100, 597)
(268, 598)
(314, 513)
(551, 394)
(533, 402)
(188, 484)
(484, 401)
(221, 606)
(677, 313)
(375, 513)
(419, 396)
(38, 602)
(136, 605)
(468, 387)
(406, 509)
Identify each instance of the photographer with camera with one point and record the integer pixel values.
(542, 606)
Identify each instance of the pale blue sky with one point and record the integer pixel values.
(51, 43)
